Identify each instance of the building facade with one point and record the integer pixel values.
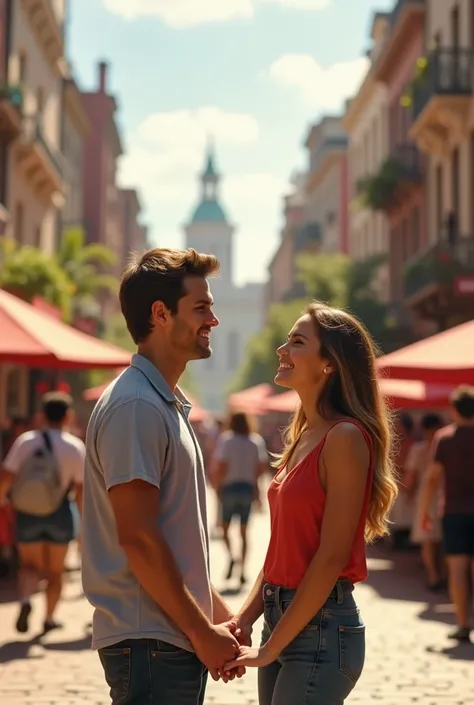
(76, 129)
(394, 68)
(439, 283)
(365, 122)
(36, 182)
(238, 308)
(135, 236)
(326, 184)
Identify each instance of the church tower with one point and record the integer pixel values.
(209, 229)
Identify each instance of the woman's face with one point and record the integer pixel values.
(301, 364)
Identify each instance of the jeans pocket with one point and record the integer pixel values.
(352, 651)
(116, 662)
(167, 650)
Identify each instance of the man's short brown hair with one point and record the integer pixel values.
(158, 275)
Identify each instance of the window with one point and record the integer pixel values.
(415, 231)
(39, 102)
(22, 68)
(19, 224)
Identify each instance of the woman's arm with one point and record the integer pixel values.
(251, 609)
(346, 460)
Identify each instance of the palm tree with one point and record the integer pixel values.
(84, 264)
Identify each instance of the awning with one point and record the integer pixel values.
(29, 336)
(400, 393)
(196, 415)
(444, 358)
(251, 400)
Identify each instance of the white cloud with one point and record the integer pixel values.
(322, 88)
(260, 187)
(301, 4)
(181, 14)
(166, 152)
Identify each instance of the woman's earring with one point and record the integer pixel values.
(326, 370)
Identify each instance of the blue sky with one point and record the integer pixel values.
(253, 73)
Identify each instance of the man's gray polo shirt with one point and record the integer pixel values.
(139, 430)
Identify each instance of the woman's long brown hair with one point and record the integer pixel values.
(352, 391)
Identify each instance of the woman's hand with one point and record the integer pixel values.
(251, 657)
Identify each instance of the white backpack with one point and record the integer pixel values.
(37, 489)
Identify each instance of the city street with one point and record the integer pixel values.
(409, 659)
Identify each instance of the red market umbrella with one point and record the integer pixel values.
(196, 415)
(413, 394)
(444, 358)
(400, 393)
(29, 336)
(251, 400)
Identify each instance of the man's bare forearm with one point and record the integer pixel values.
(221, 610)
(149, 556)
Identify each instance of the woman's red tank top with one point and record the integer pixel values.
(296, 513)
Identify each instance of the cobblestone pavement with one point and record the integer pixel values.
(409, 658)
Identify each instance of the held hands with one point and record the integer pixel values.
(220, 645)
(252, 657)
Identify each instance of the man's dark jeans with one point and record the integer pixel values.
(151, 672)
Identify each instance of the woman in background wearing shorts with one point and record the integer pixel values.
(240, 458)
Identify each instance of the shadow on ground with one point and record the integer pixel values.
(20, 650)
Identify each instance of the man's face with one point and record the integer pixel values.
(194, 320)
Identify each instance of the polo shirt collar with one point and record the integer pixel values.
(157, 380)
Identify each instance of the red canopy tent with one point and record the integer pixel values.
(251, 400)
(29, 336)
(444, 358)
(400, 393)
(197, 413)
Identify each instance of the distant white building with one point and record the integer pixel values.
(239, 308)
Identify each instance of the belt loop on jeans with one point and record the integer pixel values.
(277, 595)
(339, 593)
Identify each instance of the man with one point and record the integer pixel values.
(43, 541)
(453, 465)
(158, 623)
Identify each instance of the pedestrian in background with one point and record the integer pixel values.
(240, 458)
(452, 472)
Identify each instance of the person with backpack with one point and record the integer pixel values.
(40, 472)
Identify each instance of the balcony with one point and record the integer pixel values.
(42, 165)
(399, 174)
(441, 279)
(47, 27)
(405, 22)
(442, 99)
(327, 153)
(11, 101)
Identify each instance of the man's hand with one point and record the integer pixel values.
(214, 648)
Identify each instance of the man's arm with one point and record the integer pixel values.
(221, 610)
(132, 447)
(136, 507)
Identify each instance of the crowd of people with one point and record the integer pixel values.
(140, 483)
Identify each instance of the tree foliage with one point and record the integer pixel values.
(69, 279)
(29, 272)
(334, 279)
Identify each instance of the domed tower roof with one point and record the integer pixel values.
(209, 210)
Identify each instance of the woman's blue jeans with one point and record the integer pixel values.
(324, 662)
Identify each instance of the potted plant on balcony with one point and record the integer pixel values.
(379, 191)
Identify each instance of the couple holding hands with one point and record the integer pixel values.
(159, 625)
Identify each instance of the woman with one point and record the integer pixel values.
(415, 473)
(240, 459)
(332, 492)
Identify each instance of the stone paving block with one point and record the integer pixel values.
(409, 659)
